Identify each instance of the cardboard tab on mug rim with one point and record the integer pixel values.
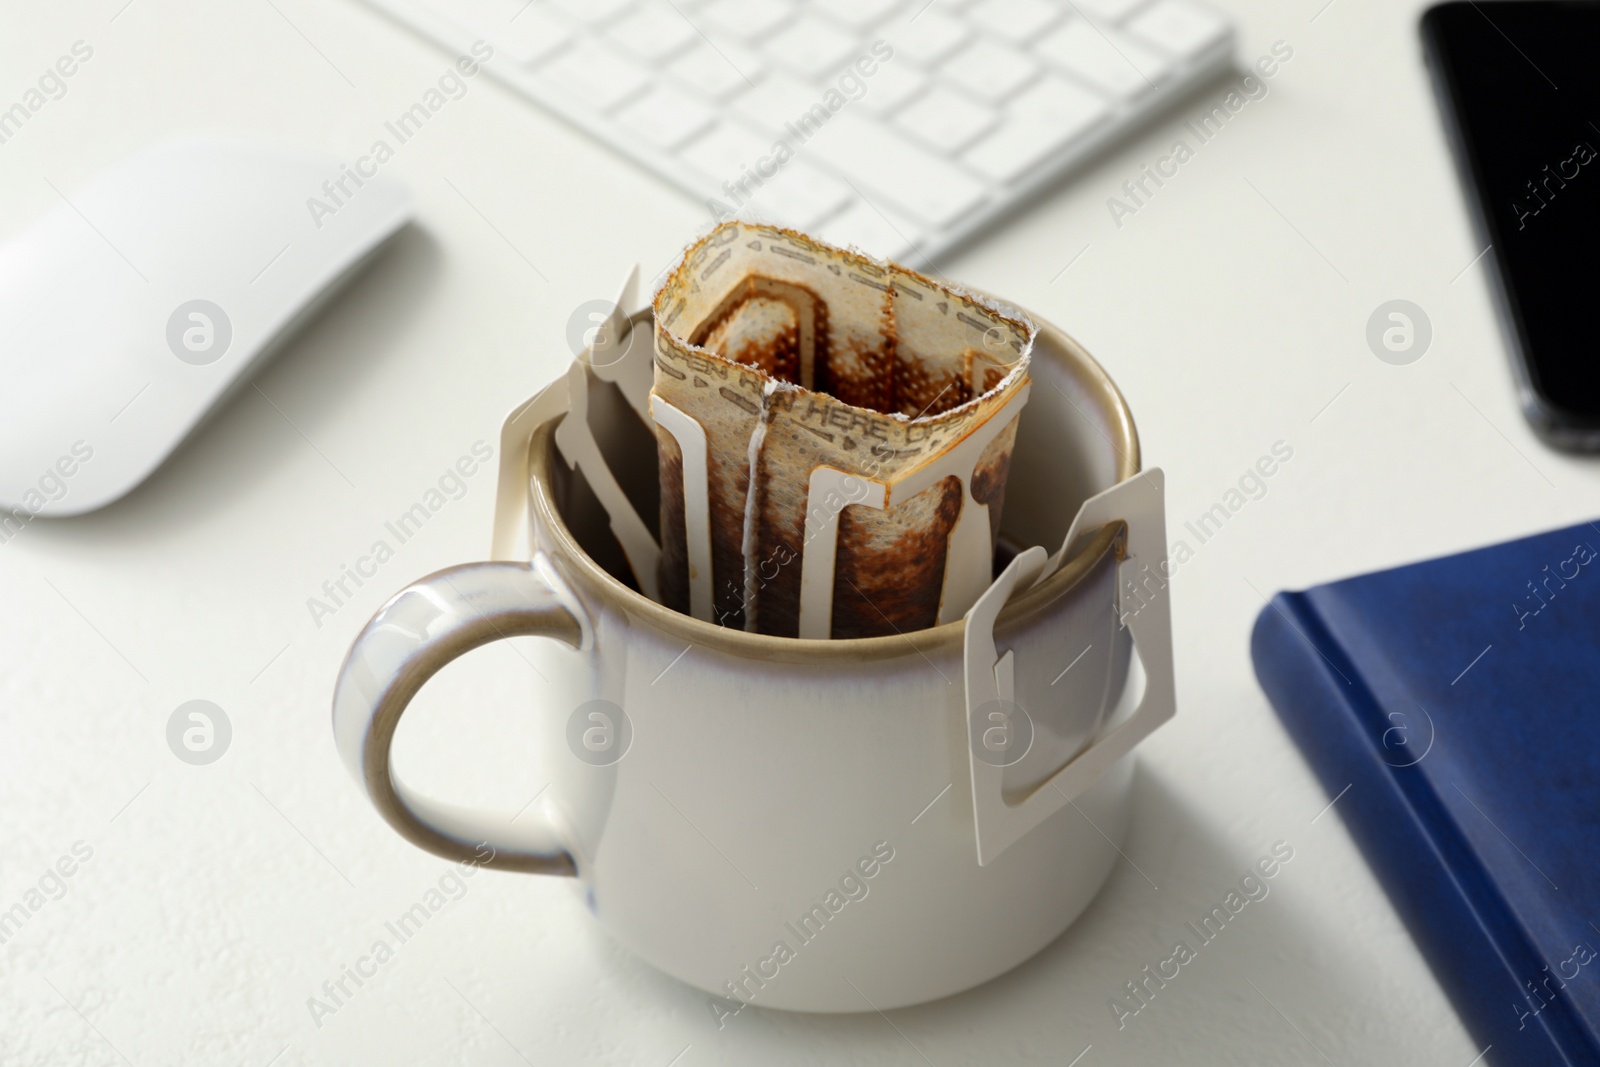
(577, 445)
(608, 355)
(1139, 504)
(612, 356)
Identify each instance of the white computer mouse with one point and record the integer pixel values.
(133, 308)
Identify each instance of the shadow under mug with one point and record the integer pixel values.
(784, 822)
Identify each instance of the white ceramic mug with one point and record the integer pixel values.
(791, 823)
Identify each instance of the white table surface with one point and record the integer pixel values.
(1231, 310)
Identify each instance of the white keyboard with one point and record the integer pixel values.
(900, 126)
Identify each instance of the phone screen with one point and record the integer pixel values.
(1522, 80)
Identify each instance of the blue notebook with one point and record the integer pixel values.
(1452, 708)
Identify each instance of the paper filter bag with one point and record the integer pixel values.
(834, 437)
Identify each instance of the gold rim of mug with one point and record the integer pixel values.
(1056, 344)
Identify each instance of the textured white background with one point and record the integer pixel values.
(221, 897)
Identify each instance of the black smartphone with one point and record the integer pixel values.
(1519, 84)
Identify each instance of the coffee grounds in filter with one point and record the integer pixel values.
(790, 356)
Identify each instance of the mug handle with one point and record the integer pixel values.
(422, 628)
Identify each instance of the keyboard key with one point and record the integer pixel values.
(742, 57)
(856, 14)
(479, 15)
(989, 70)
(891, 85)
(1055, 99)
(1041, 122)
(946, 120)
(1017, 21)
(1108, 10)
(709, 73)
(594, 76)
(746, 19)
(476, 13)
(590, 11)
(1103, 58)
(800, 196)
(863, 226)
(666, 117)
(777, 101)
(895, 171)
(1180, 27)
(654, 32)
(525, 35)
(812, 48)
(926, 39)
(530, 37)
(726, 153)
